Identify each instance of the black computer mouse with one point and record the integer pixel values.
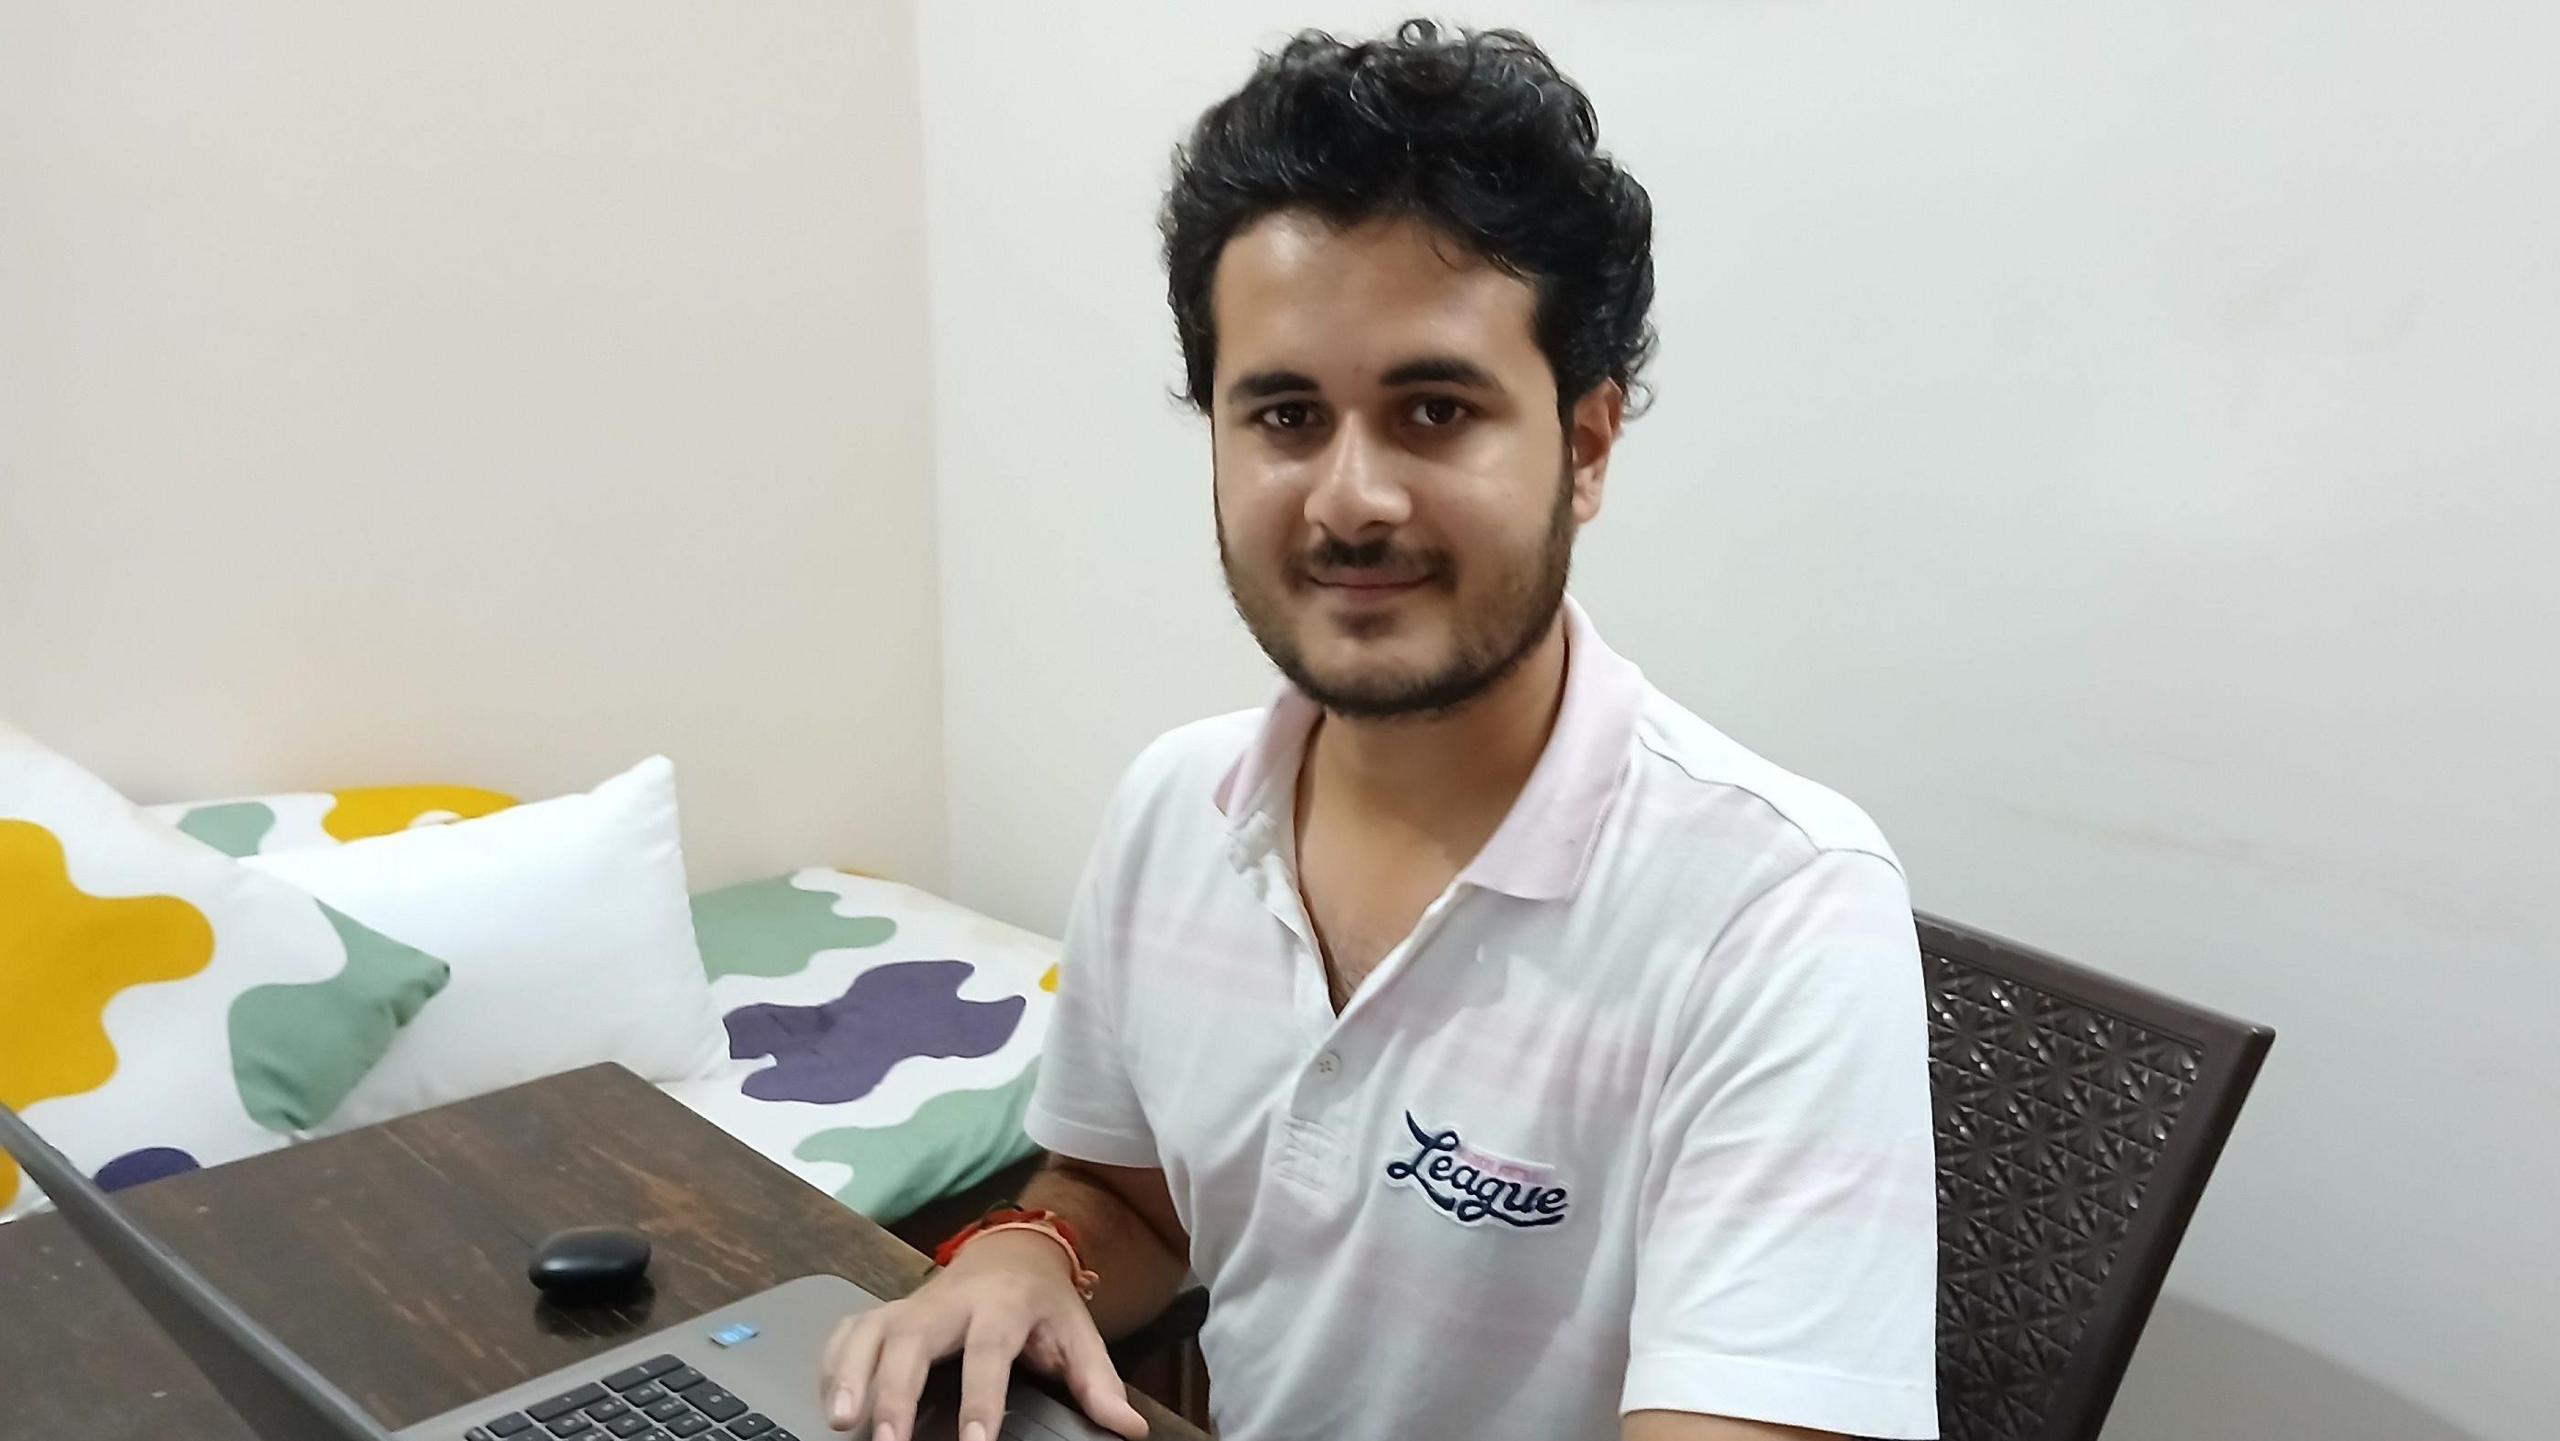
(589, 1263)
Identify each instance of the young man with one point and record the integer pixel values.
(1510, 1053)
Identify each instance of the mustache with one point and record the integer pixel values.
(1380, 554)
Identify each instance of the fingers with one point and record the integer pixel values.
(1096, 1383)
(845, 1383)
(986, 1364)
(896, 1385)
(1041, 1353)
(875, 1365)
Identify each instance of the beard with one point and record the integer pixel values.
(1491, 638)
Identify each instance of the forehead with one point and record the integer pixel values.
(1293, 290)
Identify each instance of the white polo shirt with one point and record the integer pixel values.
(1637, 1117)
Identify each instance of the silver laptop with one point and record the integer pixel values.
(746, 1372)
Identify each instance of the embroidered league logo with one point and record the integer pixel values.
(1471, 1186)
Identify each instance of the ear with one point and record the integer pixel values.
(1591, 433)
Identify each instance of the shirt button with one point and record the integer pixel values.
(1328, 1063)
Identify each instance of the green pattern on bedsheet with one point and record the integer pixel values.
(774, 928)
(954, 1141)
(823, 968)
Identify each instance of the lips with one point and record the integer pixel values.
(1371, 595)
(1367, 584)
(1367, 578)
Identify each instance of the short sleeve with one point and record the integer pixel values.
(1084, 1105)
(1787, 1262)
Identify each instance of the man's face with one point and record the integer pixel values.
(1396, 496)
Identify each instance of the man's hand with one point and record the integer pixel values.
(1005, 1295)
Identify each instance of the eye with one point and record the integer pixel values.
(1438, 412)
(1287, 415)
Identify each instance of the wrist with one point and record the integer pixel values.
(1024, 1232)
(1013, 1251)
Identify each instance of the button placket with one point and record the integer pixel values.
(1319, 1083)
(1399, 960)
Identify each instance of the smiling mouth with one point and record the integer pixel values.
(1338, 576)
(1366, 590)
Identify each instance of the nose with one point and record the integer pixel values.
(1356, 487)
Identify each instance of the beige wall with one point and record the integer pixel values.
(2113, 443)
(476, 391)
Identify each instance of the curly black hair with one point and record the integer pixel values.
(1473, 132)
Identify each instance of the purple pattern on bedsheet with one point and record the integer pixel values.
(839, 1051)
(148, 1164)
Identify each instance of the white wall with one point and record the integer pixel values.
(2114, 444)
(475, 391)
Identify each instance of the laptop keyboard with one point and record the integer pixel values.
(661, 1399)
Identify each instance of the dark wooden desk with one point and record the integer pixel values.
(393, 1259)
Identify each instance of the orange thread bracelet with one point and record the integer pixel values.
(1046, 1223)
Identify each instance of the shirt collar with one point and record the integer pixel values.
(1543, 848)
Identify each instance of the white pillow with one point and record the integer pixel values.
(161, 1007)
(568, 931)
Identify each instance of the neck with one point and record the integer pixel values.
(1461, 769)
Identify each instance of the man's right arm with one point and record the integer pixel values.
(1012, 1295)
(1123, 1216)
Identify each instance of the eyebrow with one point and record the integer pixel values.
(1442, 370)
(1425, 370)
(1269, 382)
